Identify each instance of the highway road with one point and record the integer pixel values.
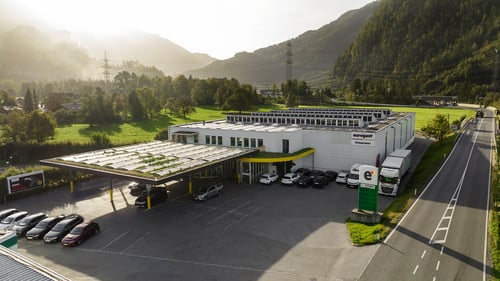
(444, 234)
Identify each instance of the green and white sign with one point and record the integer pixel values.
(368, 188)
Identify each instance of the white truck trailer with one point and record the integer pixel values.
(392, 170)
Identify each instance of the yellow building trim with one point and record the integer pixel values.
(278, 159)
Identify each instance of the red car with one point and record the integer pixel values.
(80, 233)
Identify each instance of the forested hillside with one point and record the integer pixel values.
(422, 47)
(313, 54)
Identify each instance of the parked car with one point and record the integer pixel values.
(80, 233)
(303, 171)
(156, 195)
(28, 222)
(8, 222)
(268, 178)
(208, 191)
(62, 228)
(332, 175)
(316, 173)
(136, 188)
(342, 177)
(352, 180)
(43, 227)
(290, 178)
(320, 182)
(7, 212)
(304, 181)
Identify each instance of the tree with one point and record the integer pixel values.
(16, 127)
(135, 106)
(54, 101)
(40, 126)
(239, 101)
(28, 102)
(437, 128)
(148, 100)
(186, 107)
(7, 100)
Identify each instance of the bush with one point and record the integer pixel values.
(100, 139)
(162, 135)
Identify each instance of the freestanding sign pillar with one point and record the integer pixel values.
(367, 196)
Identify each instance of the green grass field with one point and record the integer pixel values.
(133, 132)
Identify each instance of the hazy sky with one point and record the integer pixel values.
(219, 28)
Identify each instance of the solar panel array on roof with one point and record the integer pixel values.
(332, 117)
(158, 158)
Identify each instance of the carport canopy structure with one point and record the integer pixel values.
(152, 163)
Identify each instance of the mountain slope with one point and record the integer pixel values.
(28, 54)
(313, 54)
(444, 47)
(149, 49)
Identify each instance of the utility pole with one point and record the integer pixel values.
(106, 68)
(495, 72)
(289, 61)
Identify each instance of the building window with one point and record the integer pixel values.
(240, 144)
(214, 140)
(245, 142)
(195, 138)
(207, 139)
(286, 146)
(233, 141)
(219, 140)
(260, 142)
(252, 143)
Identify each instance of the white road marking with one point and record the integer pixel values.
(415, 270)
(493, 145)
(135, 242)
(423, 254)
(437, 265)
(229, 212)
(213, 209)
(445, 221)
(442, 250)
(244, 217)
(434, 278)
(113, 241)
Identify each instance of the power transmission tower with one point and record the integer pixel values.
(106, 68)
(289, 61)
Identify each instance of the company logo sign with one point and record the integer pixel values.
(368, 175)
(363, 136)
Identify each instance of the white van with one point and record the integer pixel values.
(353, 177)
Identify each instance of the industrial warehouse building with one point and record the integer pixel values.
(315, 138)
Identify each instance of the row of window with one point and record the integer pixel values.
(216, 140)
(302, 121)
(235, 141)
(246, 142)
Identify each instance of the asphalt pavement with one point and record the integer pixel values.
(251, 232)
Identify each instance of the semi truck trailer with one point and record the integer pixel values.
(392, 170)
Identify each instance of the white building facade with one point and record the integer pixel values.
(335, 137)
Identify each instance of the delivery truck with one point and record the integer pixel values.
(394, 167)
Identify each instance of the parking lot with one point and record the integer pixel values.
(250, 232)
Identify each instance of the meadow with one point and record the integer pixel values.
(145, 130)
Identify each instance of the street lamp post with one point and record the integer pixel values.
(393, 138)
(401, 134)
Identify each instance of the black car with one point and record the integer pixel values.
(331, 175)
(136, 188)
(7, 212)
(156, 194)
(62, 228)
(316, 173)
(43, 227)
(320, 182)
(304, 181)
(303, 171)
(23, 226)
